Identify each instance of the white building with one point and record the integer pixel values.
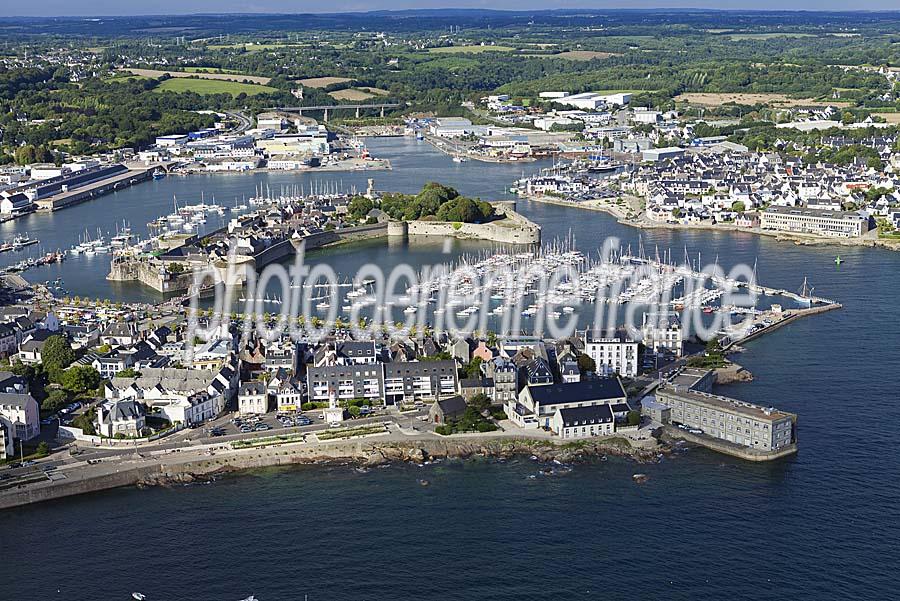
(661, 154)
(539, 406)
(42, 171)
(617, 353)
(836, 224)
(643, 115)
(22, 413)
(583, 422)
(125, 418)
(662, 333)
(15, 204)
(172, 140)
(7, 449)
(253, 399)
(454, 127)
(590, 101)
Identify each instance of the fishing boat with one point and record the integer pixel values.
(20, 242)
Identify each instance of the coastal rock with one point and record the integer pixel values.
(733, 373)
(167, 480)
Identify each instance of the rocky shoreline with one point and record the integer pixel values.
(377, 454)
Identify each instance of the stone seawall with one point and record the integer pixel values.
(512, 228)
(184, 467)
(728, 448)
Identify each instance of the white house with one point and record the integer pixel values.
(125, 418)
(617, 353)
(537, 406)
(583, 422)
(22, 412)
(253, 398)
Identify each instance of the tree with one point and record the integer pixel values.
(738, 206)
(57, 352)
(56, 400)
(353, 410)
(359, 207)
(129, 372)
(43, 449)
(81, 378)
(480, 402)
(634, 418)
(85, 421)
(473, 369)
(586, 363)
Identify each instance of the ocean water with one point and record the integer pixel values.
(823, 524)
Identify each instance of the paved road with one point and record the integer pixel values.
(63, 458)
(244, 122)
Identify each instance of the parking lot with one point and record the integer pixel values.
(274, 423)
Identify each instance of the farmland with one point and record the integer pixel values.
(323, 82)
(357, 94)
(717, 99)
(212, 86)
(232, 76)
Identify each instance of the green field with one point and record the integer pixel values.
(471, 49)
(212, 86)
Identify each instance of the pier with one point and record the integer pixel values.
(68, 198)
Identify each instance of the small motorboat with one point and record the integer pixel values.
(838, 260)
(138, 596)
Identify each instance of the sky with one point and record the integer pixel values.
(49, 8)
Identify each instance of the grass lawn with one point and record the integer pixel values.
(212, 86)
(471, 49)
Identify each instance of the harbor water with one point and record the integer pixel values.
(819, 525)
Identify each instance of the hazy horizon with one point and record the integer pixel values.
(112, 8)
